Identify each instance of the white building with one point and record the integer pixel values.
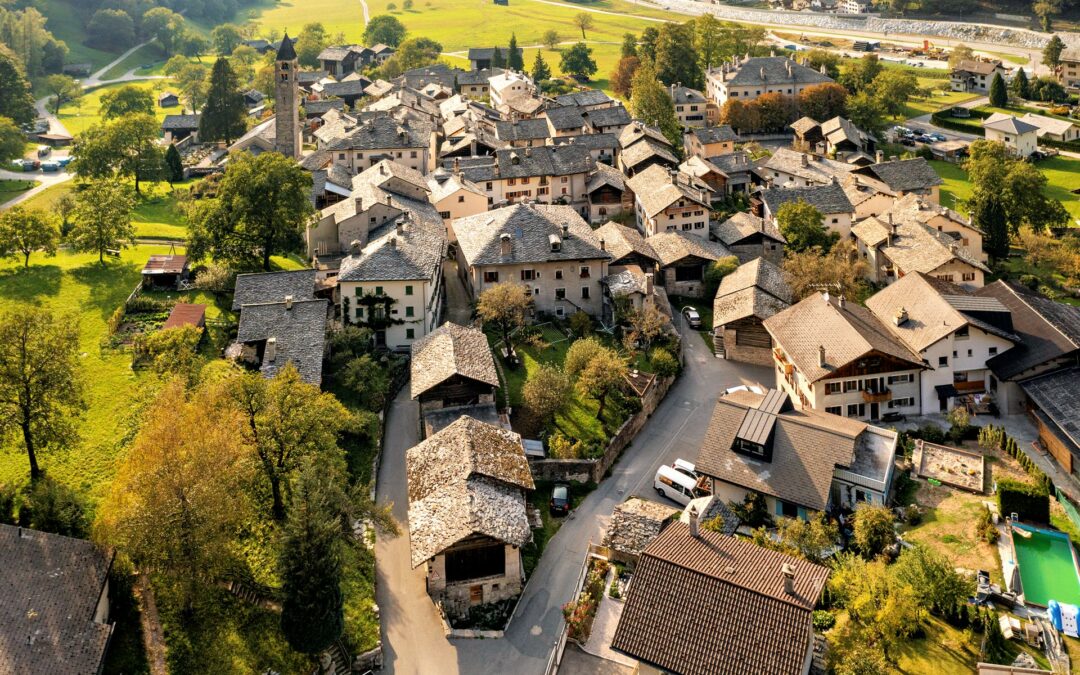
(1018, 136)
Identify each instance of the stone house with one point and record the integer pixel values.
(684, 258)
(666, 200)
(454, 196)
(745, 299)
(452, 366)
(709, 142)
(749, 237)
(787, 168)
(693, 108)
(606, 190)
(467, 518)
(830, 200)
(627, 247)
(381, 137)
(746, 78)
(549, 174)
(900, 178)
(641, 146)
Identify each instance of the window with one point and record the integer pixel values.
(788, 510)
(835, 221)
(412, 154)
(560, 293)
(900, 379)
(528, 275)
(491, 277)
(834, 410)
(409, 311)
(487, 186)
(686, 227)
(967, 276)
(905, 402)
(512, 181)
(359, 155)
(954, 353)
(992, 350)
(372, 220)
(445, 215)
(851, 385)
(585, 272)
(341, 155)
(962, 333)
(832, 388)
(558, 275)
(945, 277)
(408, 290)
(461, 199)
(358, 291)
(359, 312)
(378, 290)
(943, 361)
(584, 292)
(565, 180)
(699, 226)
(856, 410)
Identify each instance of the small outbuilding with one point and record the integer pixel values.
(167, 99)
(165, 271)
(186, 314)
(453, 366)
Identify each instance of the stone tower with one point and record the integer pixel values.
(287, 100)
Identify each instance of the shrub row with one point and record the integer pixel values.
(995, 437)
(1029, 501)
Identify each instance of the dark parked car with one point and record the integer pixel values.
(560, 500)
(908, 141)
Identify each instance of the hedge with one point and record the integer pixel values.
(946, 121)
(1031, 502)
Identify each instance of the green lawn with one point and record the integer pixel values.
(10, 189)
(146, 54)
(87, 112)
(940, 99)
(155, 216)
(67, 21)
(1061, 173)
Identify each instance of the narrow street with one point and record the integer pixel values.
(413, 639)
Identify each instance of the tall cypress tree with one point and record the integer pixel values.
(497, 60)
(174, 166)
(540, 69)
(1020, 85)
(312, 609)
(999, 98)
(988, 214)
(515, 59)
(224, 115)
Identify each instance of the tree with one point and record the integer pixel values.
(841, 271)
(414, 53)
(753, 510)
(629, 44)
(1020, 87)
(65, 207)
(540, 70)
(285, 422)
(874, 530)
(647, 44)
(174, 165)
(367, 380)
(942, 589)
(62, 89)
(857, 75)
(103, 218)
(40, 383)
(110, 29)
(803, 227)
(999, 97)
(191, 80)
(816, 58)
(1051, 56)
(547, 391)
(959, 54)
(125, 147)
(262, 207)
(583, 21)
(644, 326)
(165, 26)
(602, 376)
(505, 307)
(12, 141)
(651, 103)
(1018, 188)
(514, 58)
(16, 101)
(715, 273)
(1047, 89)
(551, 39)
(1045, 10)
(384, 29)
(311, 40)
(866, 112)
(226, 38)
(675, 61)
(809, 539)
(178, 500)
(127, 100)
(53, 507)
(709, 39)
(578, 61)
(623, 76)
(823, 101)
(988, 214)
(312, 608)
(497, 59)
(892, 88)
(224, 117)
(23, 231)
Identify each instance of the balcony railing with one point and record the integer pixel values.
(877, 396)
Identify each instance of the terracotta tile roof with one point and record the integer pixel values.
(716, 605)
(451, 350)
(186, 314)
(847, 333)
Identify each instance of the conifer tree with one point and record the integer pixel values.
(224, 115)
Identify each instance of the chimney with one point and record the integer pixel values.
(355, 247)
(271, 349)
(648, 284)
(840, 302)
(804, 160)
(288, 302)
(382, 169)
(789, 578)
(457, 166)
(763, 73)
(900, 317)
(388, 199)
(505, 244)
(694, 523)
(879, 157)
(393, 242)
(821, 356)
(602, 246)
(565, 231)
(399, 228)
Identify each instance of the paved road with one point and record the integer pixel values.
(412, 636)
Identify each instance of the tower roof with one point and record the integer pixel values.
(286, 52)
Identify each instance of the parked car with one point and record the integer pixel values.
(693, 319)
(560, 500)
(893, 417)
(676, 485)
(50, 167)
(908, 141)
(24, 165)
(940, 138)
(63, 162)
(902, 131)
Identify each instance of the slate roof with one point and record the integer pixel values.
(383, 132)
(400, 250)
(827, 199)
(320, 108)
(466, 479)
(735, 165)
(584, 98)
(337, 53)
(635, 523)
(637, 131)
(440, 73)
(756, 288)
(615, 115)
(486, 53)
(180, 122)
(521, 130)
(847, 333)
(50, 587)
(771, 70)
(656, 189)
(346, 87)
(743, 225)
(720, 134)
(716, 604)
(671, 247)
(474, 77)
(682, 95)
(1048, 330)
(1009, 124)
(1058, 397)
(915, 246)
(804, 124)
(815, 168)
(286, 50)
(530, 227)
(621, 241)
(263, 287)
(903, 175)
(604, 175)
(568, 117)
(300, 333)
(807, 447)
(451, 350)
(560, 160)
(605, 141)
(840, 129)
(936, 309)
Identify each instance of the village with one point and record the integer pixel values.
(332, 356)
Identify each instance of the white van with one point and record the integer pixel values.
(676, 485)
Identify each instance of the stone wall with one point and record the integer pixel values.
(761, 356)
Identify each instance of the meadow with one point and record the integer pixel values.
(85, 113)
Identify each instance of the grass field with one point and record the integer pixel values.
(1061, 173)
(10, 189)
(155, 216)
(146, 54)
(68, 23)
(87, 112)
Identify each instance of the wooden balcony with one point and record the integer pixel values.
(877, 396)
(971, 387)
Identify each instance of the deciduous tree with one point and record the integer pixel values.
(623, 77)
(810, 539)
(675, 61)
(505, 307)
(103, 218)
(892, 88)
(23, 231)
(823, 101)
(547, 391)
(629, 44)
(874, 530)
(62, 89)
(644, 326)
(165, 26)
(803, 227)
(651, 103)
(110, 29)
(127, 100)
(40, 383)
(866, 112)
(602, 376)
(840, 271)
(709, 38)
(12, 140)
(857, 75)
(583, 21)
(384, 29)
(125, 147)
(226, 38)
(578, 61)
(816, 58)
(959, 54)
(311, 40)
(16, 101)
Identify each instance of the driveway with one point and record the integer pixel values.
(413, 640)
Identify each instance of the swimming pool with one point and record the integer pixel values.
(1048, 569)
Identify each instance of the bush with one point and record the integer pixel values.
(52, 507)
(1029, 501)
(912, 514)
(8, 496)
(985, 526)
(823, 620)
(560, 447)
(215, 278)
(116, 319)
(580, 323)
(929, 432)
(874, 530)
(1029, 280)
(613, 590)
(663, 362)
(144, 304)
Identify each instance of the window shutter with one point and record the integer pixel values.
(522, 275)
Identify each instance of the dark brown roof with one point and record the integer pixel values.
(165, 264)
(186, 314)
(716, 605)
(1048, 330)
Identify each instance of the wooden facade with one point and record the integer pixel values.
(455, 391)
